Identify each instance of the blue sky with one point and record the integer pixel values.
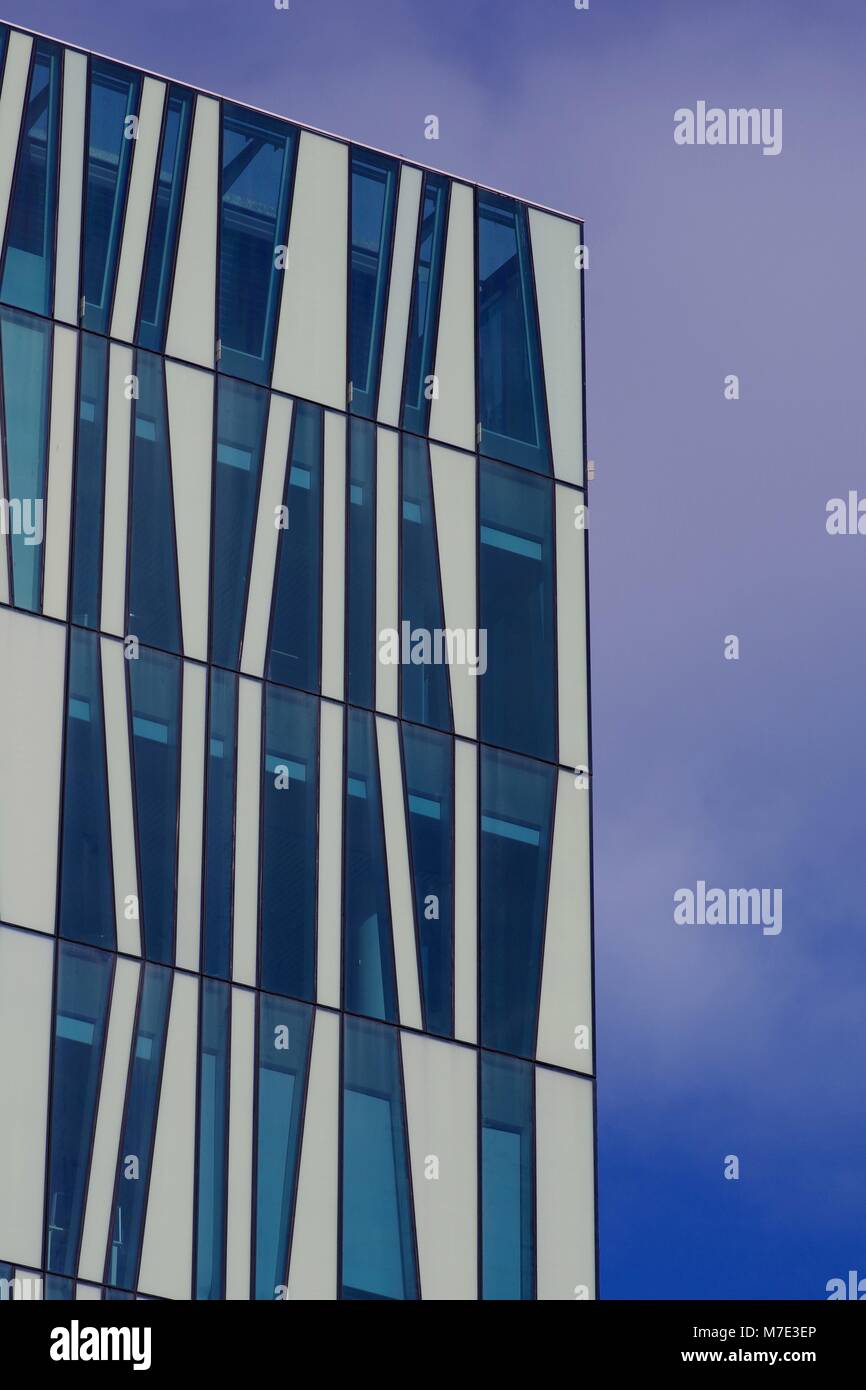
(707, 519)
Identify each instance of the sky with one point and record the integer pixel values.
(707, 520)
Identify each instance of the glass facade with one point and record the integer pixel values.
(295, 912)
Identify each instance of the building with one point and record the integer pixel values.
(295, 955)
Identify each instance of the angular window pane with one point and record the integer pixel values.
(219, 823)
(507, 1179)
(511, 382)
(213, 1091)
(165, 218)
(424, 682)
(154, 602)
(25, 344)
(377, 1237)
(516, 816)
(139, 1128)
(30, 229)
(374, 196)
(154, 696)
(257, 164)
(428, 765)
(516, 606)
(369, 985)
(241, 421)
(80, 1020)
(86, 885)
(62, 1290)
(284, 1032)
(114, 95)
(426, 293)
(289, 822)
(89, 502)
(295, 637)
(361, 564)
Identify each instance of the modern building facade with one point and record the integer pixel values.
(295, 899)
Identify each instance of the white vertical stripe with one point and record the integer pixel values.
(31, 736)
(70, 186)
(249, 776)
(334, 557)
(454, 497)
(192, 784)
(117, 749)
(571, 628)
(566, 982)
(558, 290)
(4, 548)
(25, 1035)
(240, 1162)
(399, 877)
(266, 537)
(452, 413)
(465, 891)
(399, 296)
(12, 98)
(310, 358)
(313, 1264)
(330, 868)
(166, 1257)
(565, 1190)
(387, 564)
(191, 320)
(118, 428)
(442, 1116)
(109, 1121)
(60, 451)
(130, 267)
(190, 425)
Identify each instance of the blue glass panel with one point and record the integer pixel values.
(361, 564)
(510, 380)
(257, 163)
(241, 420)
(213, 1090)
(424, 316)
(25, 343)
(81, 1011)
(428, 764)
(424, 683)
(369, 983)
(284, 1032)
(29, 257)
(377, 1237)
(516, 815)
(154, 603)
(219, 823)
(289, 819)
(58, 1289)
(86, 886)
(165, 218)
(295, 637)
(517, 703)
(114, 93)
(507, 1179)
(374, 197)
(88, 504)
(139, 1128)
(118, 1295)
(154, 697)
